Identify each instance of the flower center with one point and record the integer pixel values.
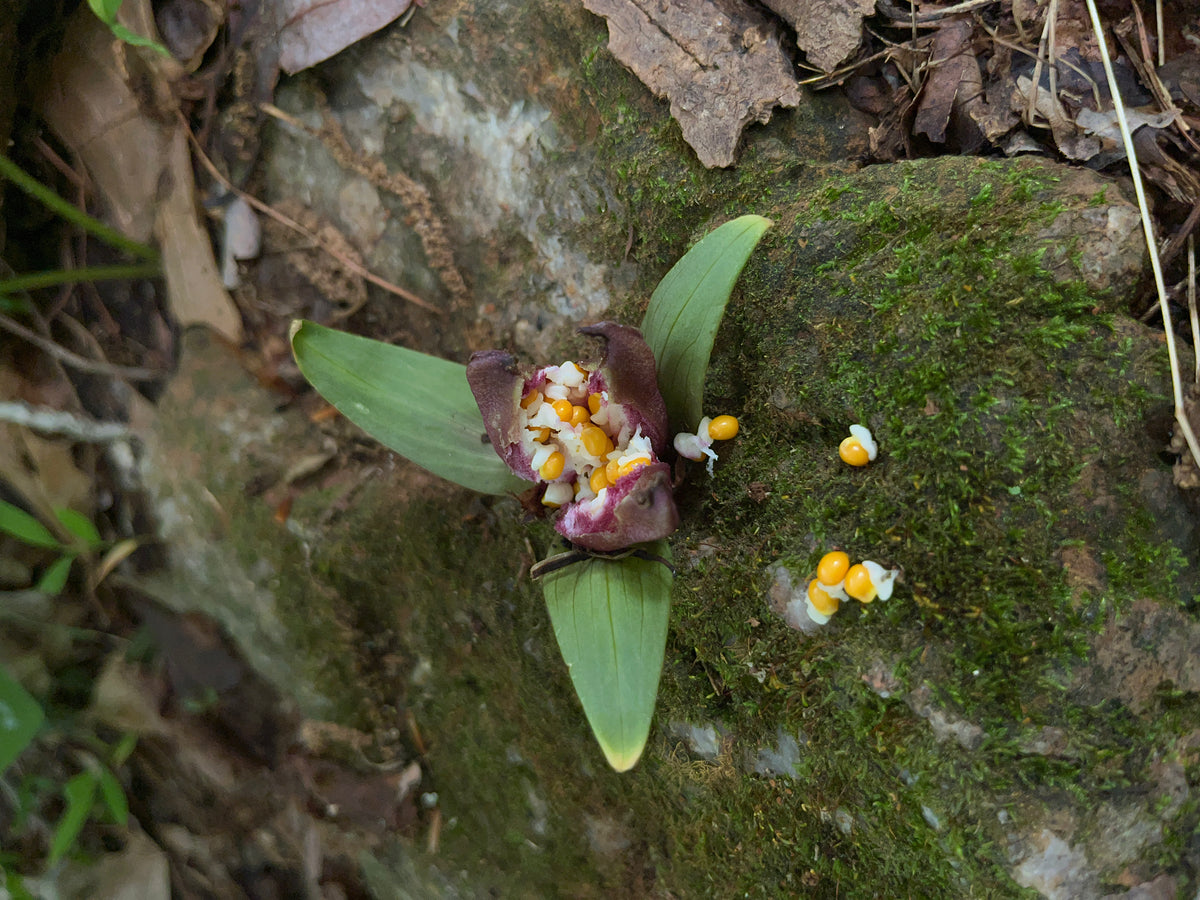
(579, 442)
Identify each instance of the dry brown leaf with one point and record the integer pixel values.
(828, 31)
(1185, 471)
(194, 288)
(718, 62)
(188, 28)
(955, 84)
(141, 166)
(314, 30)
(89, 105)
(1071, 141)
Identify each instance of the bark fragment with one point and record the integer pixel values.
(718, 62)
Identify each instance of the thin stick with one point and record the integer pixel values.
(295, 226)
(1052, 53)
(56, 421)
(1162, 43)
(37, 190)
(1191, 295)
(1031, 108)
(74, 360)
(1148, 227)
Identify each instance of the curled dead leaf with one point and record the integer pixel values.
(719, 63)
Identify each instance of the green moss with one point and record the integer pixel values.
(913, 301)
(955, 351)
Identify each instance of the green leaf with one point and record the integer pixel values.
(54, 579)
(136, 40)
(24, 527)
(681, 321)
(80, 793)
(20, 718)
(16, 885)
(124, 747)
(105, 10)
(113, 795)
(610, 618)
(419, 405)
(79, 525)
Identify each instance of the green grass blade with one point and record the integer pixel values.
(54, 579)
(94, 227)
(685, 311)
(79, 525)
(20, 718)
(80, 794)
(418, 405)
(610, 619)
(24, 527)
(113, 796)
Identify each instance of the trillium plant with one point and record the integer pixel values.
(589, 443)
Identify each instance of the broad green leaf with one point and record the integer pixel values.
(418, 405)
(610, 618)
(24, 527)
(54, 579)
(681, 321)
(20, 718)
(79, 525)
(80, 794)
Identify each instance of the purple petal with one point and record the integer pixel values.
(638, 508)
(631, 380)
(498, 386)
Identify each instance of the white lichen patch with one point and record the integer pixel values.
(489, 165)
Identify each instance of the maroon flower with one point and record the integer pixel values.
(591, 437)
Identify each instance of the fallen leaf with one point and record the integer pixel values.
(1070, 140)
(314, 30)
(141, 167)
(188, 28)
(1104, 124)
(954, 86)
(718, 62)
(828, 31)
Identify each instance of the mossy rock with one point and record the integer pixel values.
(1025, 700)
(928, 744)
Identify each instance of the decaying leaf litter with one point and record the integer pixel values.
(969, 78)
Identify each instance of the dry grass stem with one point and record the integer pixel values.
(268, 210)
(1148, 227)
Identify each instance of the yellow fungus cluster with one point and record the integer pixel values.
(859, 448)
(577, 442)
(838, 581)
(697, 446)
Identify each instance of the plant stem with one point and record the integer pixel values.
(1181, 418)
(34, 280)
(37, 190)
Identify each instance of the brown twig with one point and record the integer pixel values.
(427, 224)
(288, 222)
(74, 360)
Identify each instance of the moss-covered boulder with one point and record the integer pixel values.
(1021, 713)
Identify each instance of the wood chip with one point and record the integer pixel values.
(828, 31)
(719, 63)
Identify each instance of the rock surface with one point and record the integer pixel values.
(1023, 711)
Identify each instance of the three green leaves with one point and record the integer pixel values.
(609, 615)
